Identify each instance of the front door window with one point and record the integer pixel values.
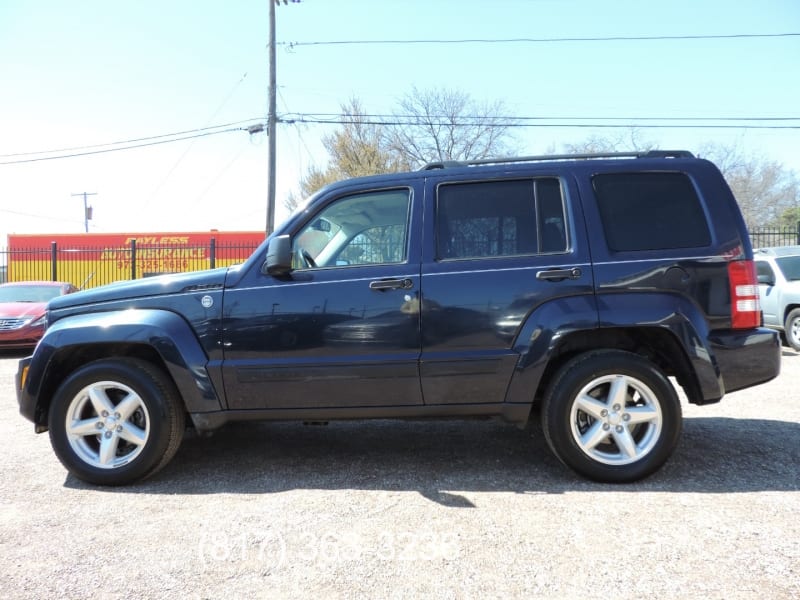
(363, 229)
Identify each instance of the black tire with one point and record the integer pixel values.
(612, 416)
(136, 413)
(791, 328)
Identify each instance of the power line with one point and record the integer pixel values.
(559, 40)
(299, 135)
(333, 116)
(35, 216)
(645, 122)
(131, 141)
(117, 149)
(190, 146)
(220, 174)
(552, 125)
(439, 120)
(514, 124)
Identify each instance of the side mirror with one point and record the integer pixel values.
(321, 225)
(766, 280)
(279, 256)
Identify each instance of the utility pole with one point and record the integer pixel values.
(272, 117)
(87, 210)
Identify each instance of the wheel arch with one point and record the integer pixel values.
(159, 337)
(659, 345)
(696, 374)
(787, 309)
(790, 333)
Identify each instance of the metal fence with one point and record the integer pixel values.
(87, 266)
(765, 237)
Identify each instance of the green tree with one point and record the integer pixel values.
(789, 218)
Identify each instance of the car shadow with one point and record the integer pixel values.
(438, 459)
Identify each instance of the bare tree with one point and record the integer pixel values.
(629, 140)
(768, 194)
(355, 150)
(766, 191)
(439, 125)
(431, 126)
(291, 202)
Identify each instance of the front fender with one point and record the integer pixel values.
(164, 332)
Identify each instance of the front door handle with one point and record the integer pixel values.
(382, 285)
(559, 274)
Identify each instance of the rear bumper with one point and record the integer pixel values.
(746, 358)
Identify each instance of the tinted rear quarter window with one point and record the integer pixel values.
(650, 211)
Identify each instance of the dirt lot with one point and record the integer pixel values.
(387, 509)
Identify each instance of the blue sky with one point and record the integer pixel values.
(94, 72)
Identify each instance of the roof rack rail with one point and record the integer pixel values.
(446, 164)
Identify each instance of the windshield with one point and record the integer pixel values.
(29, 293)
(790, 267)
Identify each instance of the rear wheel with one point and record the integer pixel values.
(792, 329)
(612, 416)
(113, 422)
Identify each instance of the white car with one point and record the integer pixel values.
(778, 271)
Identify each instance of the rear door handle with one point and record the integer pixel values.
(382, 285)
(559, 274)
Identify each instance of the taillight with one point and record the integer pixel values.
(745, 306)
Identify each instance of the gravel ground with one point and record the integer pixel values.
(413, 509)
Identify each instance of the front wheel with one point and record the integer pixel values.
(792, 329)
(113, 422)
(612, 416)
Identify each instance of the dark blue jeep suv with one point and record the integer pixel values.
(571, 285)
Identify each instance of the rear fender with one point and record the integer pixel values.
(539, 337)
(681, 317)
(570, 326)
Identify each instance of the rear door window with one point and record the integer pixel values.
(650, 211)
(500, 218)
